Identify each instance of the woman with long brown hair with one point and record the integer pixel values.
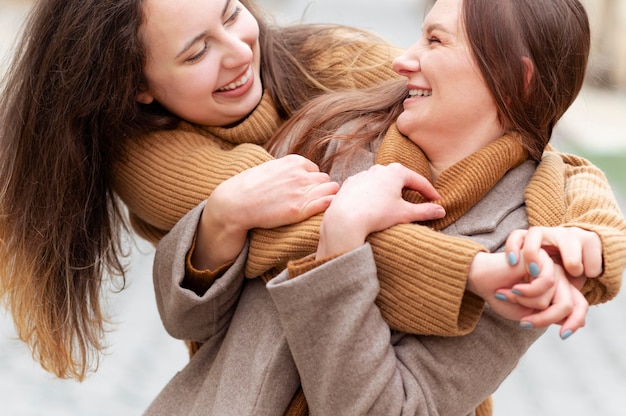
(75, 133)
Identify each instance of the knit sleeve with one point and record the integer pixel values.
(358, 60)
(568, 190)
(165, 174)
(591, 205)
(422, 273)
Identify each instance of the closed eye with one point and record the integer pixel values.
(233, 16)
(196, 57)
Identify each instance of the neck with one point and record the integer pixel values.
(442, 153)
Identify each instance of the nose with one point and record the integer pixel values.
(407, 63)
(237, 52)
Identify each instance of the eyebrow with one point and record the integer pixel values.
(202, 35)
(435, 26)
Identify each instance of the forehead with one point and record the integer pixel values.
(168, 24)
(179, 17)
(445, 13)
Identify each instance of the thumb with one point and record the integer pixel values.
(425, 211)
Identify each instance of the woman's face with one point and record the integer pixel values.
(448, 97)
(203, 59)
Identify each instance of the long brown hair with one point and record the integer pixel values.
(67, 100)
(67, 107)
(554, 35)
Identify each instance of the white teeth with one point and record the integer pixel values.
(420, 93)
(239, 82)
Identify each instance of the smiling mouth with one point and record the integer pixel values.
(420, 93)
(236, 84)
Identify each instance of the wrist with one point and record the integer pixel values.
(338, 235)
(481, 270)
(218, 240)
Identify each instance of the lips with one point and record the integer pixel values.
(238, 83)
(420, 93)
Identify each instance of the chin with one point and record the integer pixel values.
(404, 123)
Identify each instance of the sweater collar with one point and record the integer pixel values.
(257, 128)
(463, 184)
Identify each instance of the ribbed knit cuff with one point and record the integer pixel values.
(299, 267)
(199, 281)
(606, 286)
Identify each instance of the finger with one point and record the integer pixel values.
(592, 256)
(544, 281)
(513, 246)
(577, 317)
(316, 206)
(302, 161)
(578, 282)
(562, 306)
(538, 293)
(569, 247)
(424, 212)
(531, 251)
(320, 190)
(416, 182)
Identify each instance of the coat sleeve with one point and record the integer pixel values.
(351, 363)
(422, 286)
(188, 315)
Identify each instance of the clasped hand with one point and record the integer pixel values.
(538, 279)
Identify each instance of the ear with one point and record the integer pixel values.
(144, 97)
(529, 70)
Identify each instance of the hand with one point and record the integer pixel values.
(279, 192)
(568, 307)
(577, 250)
(550, 298)
(493, 279)
(372, 201)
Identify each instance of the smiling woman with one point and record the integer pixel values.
(207, 71)
(87, 118)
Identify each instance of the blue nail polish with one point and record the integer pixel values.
(567, 334)
(517, 292)
(533, 268)
(526, 325)
(512, 259)
(500, 297)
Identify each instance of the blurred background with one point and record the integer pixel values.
(586, 375)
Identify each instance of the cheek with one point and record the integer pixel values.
(249, 28)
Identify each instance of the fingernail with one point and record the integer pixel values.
(501, 296)
(565, 335)
(512, 259)
(533, 268)
(517, 292)
(526, 325)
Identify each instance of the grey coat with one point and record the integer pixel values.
(324, 330)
